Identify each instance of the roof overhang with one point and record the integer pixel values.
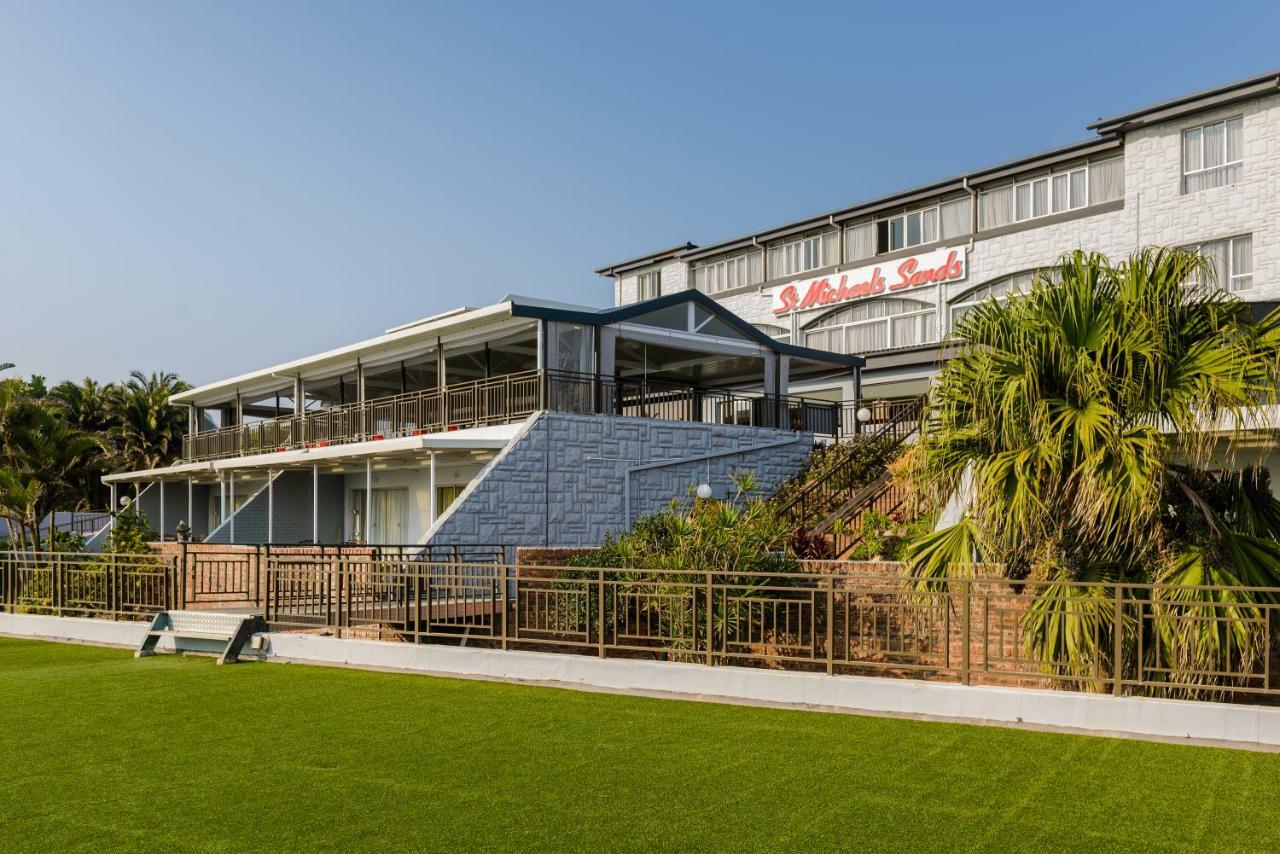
(1207, 99)
(423, 332)
(643, 260)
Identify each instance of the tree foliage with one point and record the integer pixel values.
(55, 444)
(1092, 423)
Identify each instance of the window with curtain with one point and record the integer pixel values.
(1054, 193)
(722, 274)
(1212, 155)
(1106, 180)
(913, 228)
(806, 253)
(859, 241)
(997, 289)
(881, 324)
(1231, 261)
(954, 218)
(388, 522)
(650, 285)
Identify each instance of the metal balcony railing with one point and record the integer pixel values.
(514, 397)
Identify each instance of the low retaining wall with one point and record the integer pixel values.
(1237, 725)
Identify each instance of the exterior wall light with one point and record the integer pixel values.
(704, 491)
(864, 415)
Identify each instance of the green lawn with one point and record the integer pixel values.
(99, 750)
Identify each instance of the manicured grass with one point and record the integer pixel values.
(99, 750)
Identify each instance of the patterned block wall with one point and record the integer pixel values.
(568, 480)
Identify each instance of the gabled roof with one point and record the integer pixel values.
(622, 313)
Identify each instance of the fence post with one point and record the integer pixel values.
(710, 623)
(502, 570)
(1117, 630)
(180, 574)
(600, 610)
(964, 632)
(831, 620)
(56, 582)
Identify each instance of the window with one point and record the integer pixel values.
(954, 218)
(860, 241)
(650, 285)
(712, 277)
(1000, 288)
(807, 253)
(1056, 193)
(874, 325)
(1071, 189)
(1106, 180)
(1231, 260)
(1212, 155)
(778, 333)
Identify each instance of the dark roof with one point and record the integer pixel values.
(652, 257)
(1227, 93)
(606, 316)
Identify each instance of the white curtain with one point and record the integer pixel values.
(954, 217)
(995, 207)
(1106, 180)
(860, 241)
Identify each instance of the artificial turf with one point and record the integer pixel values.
(99, 750)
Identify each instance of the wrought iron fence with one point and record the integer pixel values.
(131, 587)
(1171, 641)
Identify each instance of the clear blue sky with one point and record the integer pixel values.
(209, 188)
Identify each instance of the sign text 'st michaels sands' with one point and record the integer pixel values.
(932, 268)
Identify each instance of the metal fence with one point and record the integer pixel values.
(1169, 641)
(132, 587)
(834, 618)
(513, 397)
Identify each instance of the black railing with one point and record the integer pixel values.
(514, 397)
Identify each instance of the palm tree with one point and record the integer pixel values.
(1075, 421)
(40, 458)
(147, 429)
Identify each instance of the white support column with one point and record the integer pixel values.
(271, 506)
(115, 506)
(368, 496)
(431, 489)
(222, 499)
(190, 506)
(162, 527)
(231, 477)
(315, 504)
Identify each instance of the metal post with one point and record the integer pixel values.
(600, 609)
(831, 600)
(368, 499)
(431, 487)
(114, 508)
(231, 477)
(271, 505)
(315, 503)
(503, 599)
(964, 633)
(1117, 629)
(191, 518)
(710, 591)
(162, 528)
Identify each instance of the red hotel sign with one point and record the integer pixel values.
(931, 268)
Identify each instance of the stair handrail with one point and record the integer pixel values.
(907, 413)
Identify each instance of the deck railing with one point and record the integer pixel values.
(514, 397)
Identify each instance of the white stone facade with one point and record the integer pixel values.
(1154, 212)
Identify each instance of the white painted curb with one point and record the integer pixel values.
(1138, 716)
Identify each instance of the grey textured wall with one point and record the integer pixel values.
(564, 482)
(292, 517)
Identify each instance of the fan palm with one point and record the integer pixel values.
(1083, 419)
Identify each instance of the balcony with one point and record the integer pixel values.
(513, 397)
